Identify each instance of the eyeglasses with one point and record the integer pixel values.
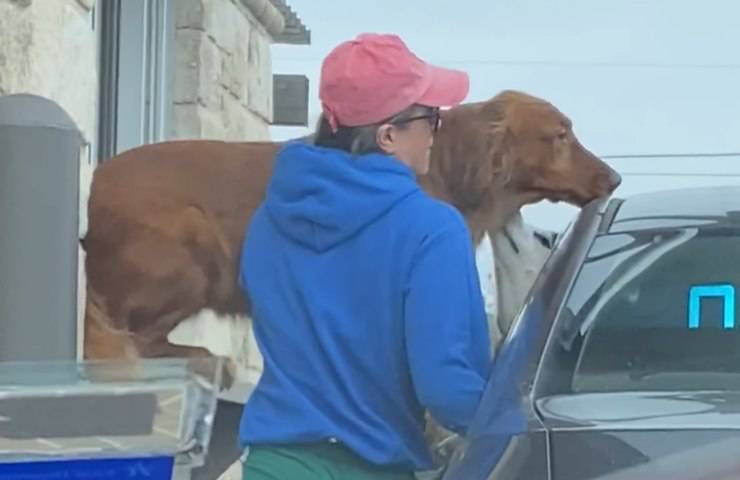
(434, 118)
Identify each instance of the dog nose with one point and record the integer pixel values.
(615, 179)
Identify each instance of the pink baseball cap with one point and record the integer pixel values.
(376, 76)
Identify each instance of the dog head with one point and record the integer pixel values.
(518, 145)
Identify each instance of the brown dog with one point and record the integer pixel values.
(491, 158)
(166, 221)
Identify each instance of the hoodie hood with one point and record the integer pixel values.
(319, 197)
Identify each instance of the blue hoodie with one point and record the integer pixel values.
(366, 308)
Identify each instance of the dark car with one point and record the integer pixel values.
(625, 361)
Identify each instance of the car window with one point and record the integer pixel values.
(653, 310)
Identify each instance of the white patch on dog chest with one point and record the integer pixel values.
(485, 262)
(228, 336)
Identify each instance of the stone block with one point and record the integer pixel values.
(259, 75)
(255, 127)
(187, 65)
(239, 67)
(223, 20)
(186, 124)
(241, 124)
(233, 118)
(198, 69)
(194, 121)
(211, 73)
(224, 79)
(190, 14)
(212, 123)
(16, 45)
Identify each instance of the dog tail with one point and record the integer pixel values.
(102, 339)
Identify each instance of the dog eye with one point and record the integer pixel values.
(563, 136)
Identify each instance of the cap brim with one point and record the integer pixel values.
(447, 88)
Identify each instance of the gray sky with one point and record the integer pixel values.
(635, 76)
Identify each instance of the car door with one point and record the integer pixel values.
(637, 379)
(507, 439)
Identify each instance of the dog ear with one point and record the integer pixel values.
(499, 113)
(470, 157)
(500, 152)
(461, 167)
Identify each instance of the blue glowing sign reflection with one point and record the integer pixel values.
(724, 291)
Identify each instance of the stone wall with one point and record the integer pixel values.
(48, 48)
(223, 73)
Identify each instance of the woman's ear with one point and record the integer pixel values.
(385, 138)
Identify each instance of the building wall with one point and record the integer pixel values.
(223, 77)
(49, 48)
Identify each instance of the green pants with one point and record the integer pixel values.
(312, 462)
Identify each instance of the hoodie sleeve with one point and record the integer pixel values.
(446, 329)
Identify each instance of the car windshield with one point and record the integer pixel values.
(655, 310)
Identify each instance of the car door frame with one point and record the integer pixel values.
(507, 438)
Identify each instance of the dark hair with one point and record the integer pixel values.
(355, 140)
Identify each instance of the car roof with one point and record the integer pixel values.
(679, 208)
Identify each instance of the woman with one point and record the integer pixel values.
(364, 292)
